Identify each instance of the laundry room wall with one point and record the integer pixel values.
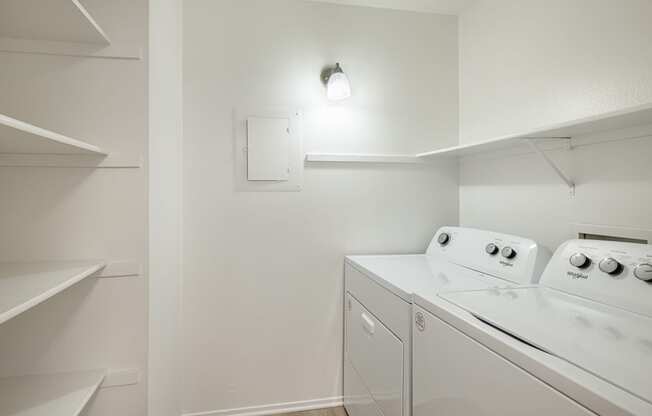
(529, 64)
(263, 271)
(63, 213)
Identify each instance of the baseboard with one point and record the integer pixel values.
(274, 409)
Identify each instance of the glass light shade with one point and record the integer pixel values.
(338, 87)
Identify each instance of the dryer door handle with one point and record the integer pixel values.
(368, 323)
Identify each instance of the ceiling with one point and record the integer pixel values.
(454, 7)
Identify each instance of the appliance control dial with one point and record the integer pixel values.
(508, 252)
(610, 266)
(443, 239)
(492, 249)
(644, 272)
(580, 260)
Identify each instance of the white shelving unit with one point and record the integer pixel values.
(529, 141)
(52, 20)
(19, 137)
(630, 117)
(62, 28)
(57, 27)
(64, 394)
(25, 285)
(361, 158)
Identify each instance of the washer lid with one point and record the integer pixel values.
(610, 343)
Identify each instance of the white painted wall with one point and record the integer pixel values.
(165, 131)
(526, 64)
(529, 64)
(263, 272)
(63, 214)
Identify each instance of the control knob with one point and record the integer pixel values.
(443, 239)
(610, 266)
(580, 260)
(508, 252)
(644, 272)
(492, 249)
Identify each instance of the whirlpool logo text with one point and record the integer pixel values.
(576, 275)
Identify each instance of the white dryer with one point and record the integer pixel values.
(378, 306)
(580, 343)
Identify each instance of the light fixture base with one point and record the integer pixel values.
(327, 71)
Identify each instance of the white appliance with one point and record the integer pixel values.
(580, 343)
(378, 306)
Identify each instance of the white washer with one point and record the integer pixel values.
(378, 306)
(580, 343)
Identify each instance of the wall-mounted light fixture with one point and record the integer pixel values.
(337, 83)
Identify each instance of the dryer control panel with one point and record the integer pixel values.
(508, 257)
(619, 274)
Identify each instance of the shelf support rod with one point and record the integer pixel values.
(551, 163)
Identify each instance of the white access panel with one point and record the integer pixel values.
(377, 356)
(268, 149)
(455, 375)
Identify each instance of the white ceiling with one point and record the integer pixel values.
(454, 7)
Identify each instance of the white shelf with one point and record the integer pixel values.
(565, 132)
(64, 394)
(536, 140)
(630, 117)
(361, 158)
(556, 133)
(18, 137)
(51, 20)
(25, 285)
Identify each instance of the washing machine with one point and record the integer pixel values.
(577, 344)
(379, 292)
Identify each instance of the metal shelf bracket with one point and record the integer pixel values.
(571, 185)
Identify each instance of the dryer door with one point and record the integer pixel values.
(377, 356)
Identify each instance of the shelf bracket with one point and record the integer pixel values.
(571, 185)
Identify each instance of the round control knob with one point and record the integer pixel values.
(443, 239)
(508, 252)
(492, 249)
(644, 272)
(611, 266)
(580, 260)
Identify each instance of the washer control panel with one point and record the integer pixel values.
(443, 238)
(643, 271)
(492, 249)
(610, 266)
(619, 274)
(508, 252)
(580, 260)
(508, 257)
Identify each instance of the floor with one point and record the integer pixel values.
(333, 411)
